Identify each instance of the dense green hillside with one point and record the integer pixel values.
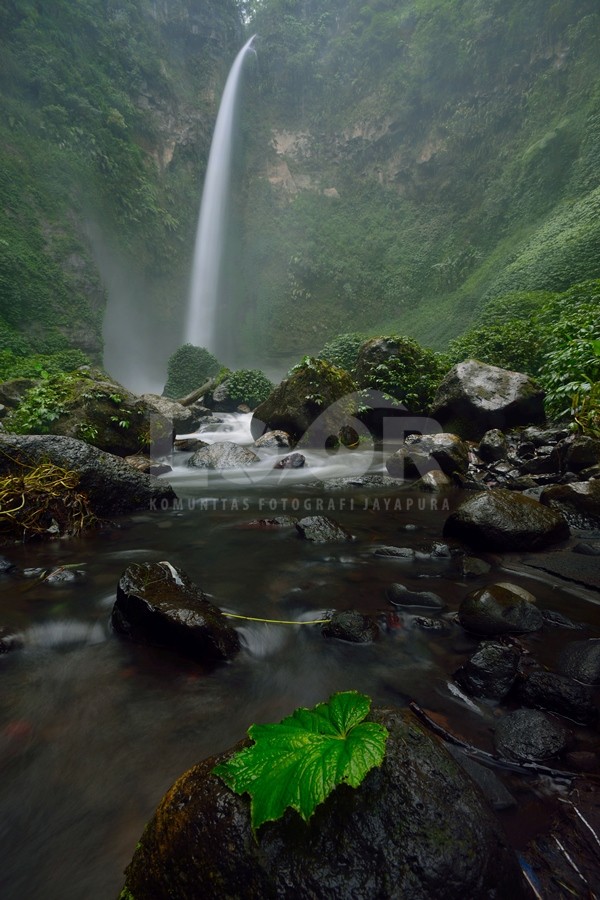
(106, 114)
(411, 159)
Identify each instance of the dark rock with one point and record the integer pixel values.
(579, 502)
(471, 566)
(63, 575)
(526, 450)
(422, 453)
(350, 625)
(426, 623)
(474, 398)
(273, 440)
(187, 445)
(313, 403)
(581, 660)
(222, 455)
(6, 566)
(433, 481)
(493, 446)
(529, 735)
(322, 530)
(541, 464)
(394, 552)
(440, 551)
(112, 486)
(183, 418)
(500, 609)
(490, 672)
(9, 640)
(582, 452)
(159, 605)
(12, 392)
(558, 694)
(587, 548)
(540, 436)
(500, 520)
(490, 785)
(275, 522)
(416, 827)
(400, 595)
(291, 461)
(557, 619)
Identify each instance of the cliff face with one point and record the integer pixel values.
(107, 114)
(415, 159)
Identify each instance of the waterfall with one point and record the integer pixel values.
(210, 236)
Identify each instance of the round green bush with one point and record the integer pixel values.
(249, 386)
(188, 368)
(342, 350)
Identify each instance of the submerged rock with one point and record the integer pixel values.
(350, 625)
(500, 609)
(501, 520)
(321, 530)
(581, 660)
(291, 461)
(9, 640)
(159, 605)
(416, 827)
(559, 694)
(475, 397)
(579, 502)
(400, 595)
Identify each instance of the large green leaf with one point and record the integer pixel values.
(299, 761)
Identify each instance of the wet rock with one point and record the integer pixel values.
(500, 609)
(314, 402)
(501, 520)
(275, 522)
(64, 575)
(497, 795)
(474, 398)
(426, 623)
(9, 640)
(400, 595)
(528, 735)
(394, 553)
(222, 455)
(183, 417)
(422, 453)
(579, 502)
(189, 445)
(112, 486)
(581, 660)
(558, 694)
(350, 625)
(582, 452)
(321, 530)
(416, 827)
(471, 566)
(147, 465)
(13, 391)
(433, 481)
(159, 605)
(540, 436)
(273, 440)
(490, 672)
(6, 566)
(493, 446)
(557, 619)
(291, 461)
(587, 548)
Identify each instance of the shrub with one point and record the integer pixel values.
(14, 366)
(402, 369)
(249, 386)
(343, 350)
(512, 344)
(188, 368)
(42, 404)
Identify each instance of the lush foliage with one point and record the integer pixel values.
(300, 761)
(42, 404)
(401, 369)
(188, 368)
(343, 350)
(15, 366)
(247, 386)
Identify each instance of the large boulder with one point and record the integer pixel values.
(313, 403)
(184, 420)
(528, 735)
(159, 605)
(399, 367)
(490, 672)
(501, 608)
(112, 486)
(475, 397)
(90, 406)
(417, 827)
(222, 455)
(578, 502)
(502, 520)
(424, 453)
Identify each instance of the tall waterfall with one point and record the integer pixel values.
(210, 237)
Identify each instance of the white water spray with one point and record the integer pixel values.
(210, 236)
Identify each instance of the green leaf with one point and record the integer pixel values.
(299, 762)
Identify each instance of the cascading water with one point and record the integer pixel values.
(210, 236)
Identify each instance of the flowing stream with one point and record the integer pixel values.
(94, 729)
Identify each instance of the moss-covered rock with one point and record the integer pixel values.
(312, 404)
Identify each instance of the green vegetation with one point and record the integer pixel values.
(16, 366)
(246, 386)
(300, 761)
(402, 370)
(188, 368)
(43, 404)
(343, 351)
